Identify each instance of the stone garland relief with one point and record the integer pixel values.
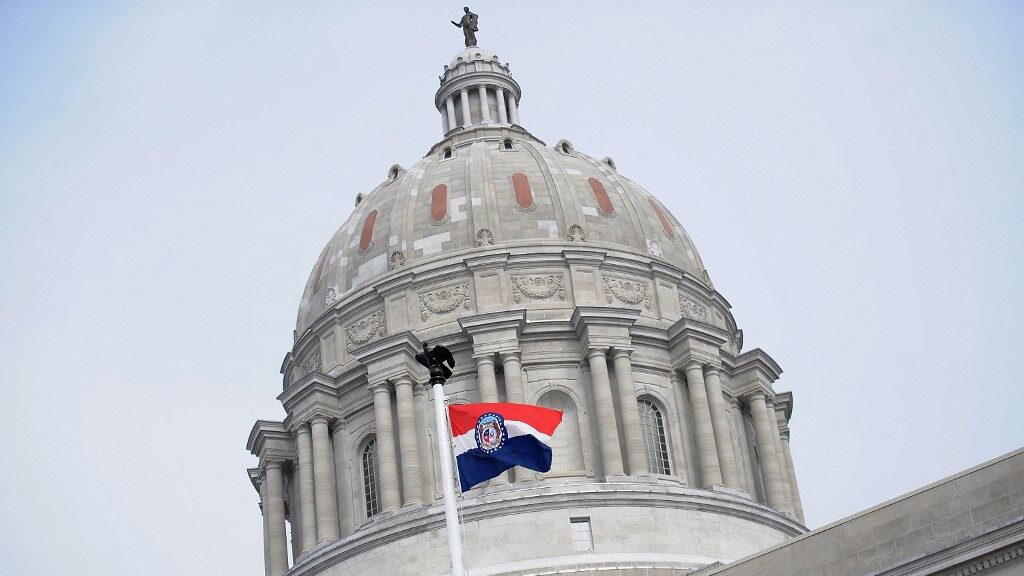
(366, 330)
(627, 292)
(445, 300)
(540, 287)
(691, 309)
(311, 362)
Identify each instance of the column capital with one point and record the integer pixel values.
(593, 351)
(620, 351)
(694, 363)
(484, 358)
(712, 368)
(380, 385)
(516, 354)
(757, 394)
(401, 380)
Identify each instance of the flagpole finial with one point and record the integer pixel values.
(434, 360)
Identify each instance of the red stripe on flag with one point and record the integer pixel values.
(464, 416)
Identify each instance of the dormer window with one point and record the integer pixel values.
(564, 147)
(393, 173)
(506, 144)
(446, 154)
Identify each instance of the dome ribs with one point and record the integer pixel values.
(666, 226)
(604, 203)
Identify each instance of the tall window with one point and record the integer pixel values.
(652, 425)
(371, 490)
(582, 537)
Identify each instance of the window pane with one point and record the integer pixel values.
(652, 427)
(582, 537)
(371, 491)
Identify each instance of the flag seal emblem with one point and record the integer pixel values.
(491, 433)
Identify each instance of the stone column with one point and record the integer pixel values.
(487, 385)
(513, 109)
(608, 433)
(485, 111)
(264, 494)
(704, 434)
(513, 377)
(798, 506)
(324, 482)
(635, 454)
(272, 494)
(412, 482)
(766, 452)
(467, 119)
(423, 444)
(389, 498)
(307, 498)
(343, 480)
(787, 491)
(720, 422)
(444, 121)
(502, 114)
(449, 104)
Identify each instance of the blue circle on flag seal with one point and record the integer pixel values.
(490, 432)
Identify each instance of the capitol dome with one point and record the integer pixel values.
(555, 281)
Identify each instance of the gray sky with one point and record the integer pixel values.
(169, 171)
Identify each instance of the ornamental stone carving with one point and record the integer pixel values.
(691, 309)
(577, 234)
(396, 260)
(445, 300)
(311, 363)
(484, 237)
(368, 329)
(707, 280)
(654, 247)
(332, 296)
(630, 292)
(540, 287)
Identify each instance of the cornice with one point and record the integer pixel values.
(760, 359)
(269, 438)
(583, 256)
(664, 271)
(612, 326)
(532, 260)
(308, 384)
(688, 329)
(784, 401)
(392, 285)
(487, 261)
(494, 321)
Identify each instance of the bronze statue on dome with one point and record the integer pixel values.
(469, 26)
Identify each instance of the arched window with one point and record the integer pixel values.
(652, 426)
(506, 144)
(371, 488)
(447, 153)
(567, 442)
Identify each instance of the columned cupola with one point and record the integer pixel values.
(476, 91)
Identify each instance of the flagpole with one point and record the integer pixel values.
(451, 511)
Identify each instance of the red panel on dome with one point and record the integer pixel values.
(439, 203)
(367, 236)
(521, 186)
(666, 226)
(601, 195)
(318, 272)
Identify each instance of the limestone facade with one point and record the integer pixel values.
(555, 281)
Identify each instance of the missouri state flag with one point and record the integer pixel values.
(490, 438)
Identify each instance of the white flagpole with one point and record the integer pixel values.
(451, 512)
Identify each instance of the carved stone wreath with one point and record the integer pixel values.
(577, 234)
(628, 292)
(654, 247)
(538, 287)
(332, 296)
(691, 309)
(484, 237)
(445, 300)
(366, 330)
(311, 362)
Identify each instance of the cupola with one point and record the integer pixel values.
(476, 91)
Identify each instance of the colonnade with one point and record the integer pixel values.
(403, 467)
(508, 112)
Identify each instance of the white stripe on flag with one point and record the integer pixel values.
(467, 441)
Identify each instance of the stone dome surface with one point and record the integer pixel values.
(501, 189)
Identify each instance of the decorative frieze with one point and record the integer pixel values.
(691, 309)
(541, 287)
(634, 293)
(366, 330)
(445, 300)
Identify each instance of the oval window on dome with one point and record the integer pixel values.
(521, 186)
(601, 195)
(666, 226)
(366, 238)
(439, 203)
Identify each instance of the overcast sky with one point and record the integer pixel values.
(851, 172)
